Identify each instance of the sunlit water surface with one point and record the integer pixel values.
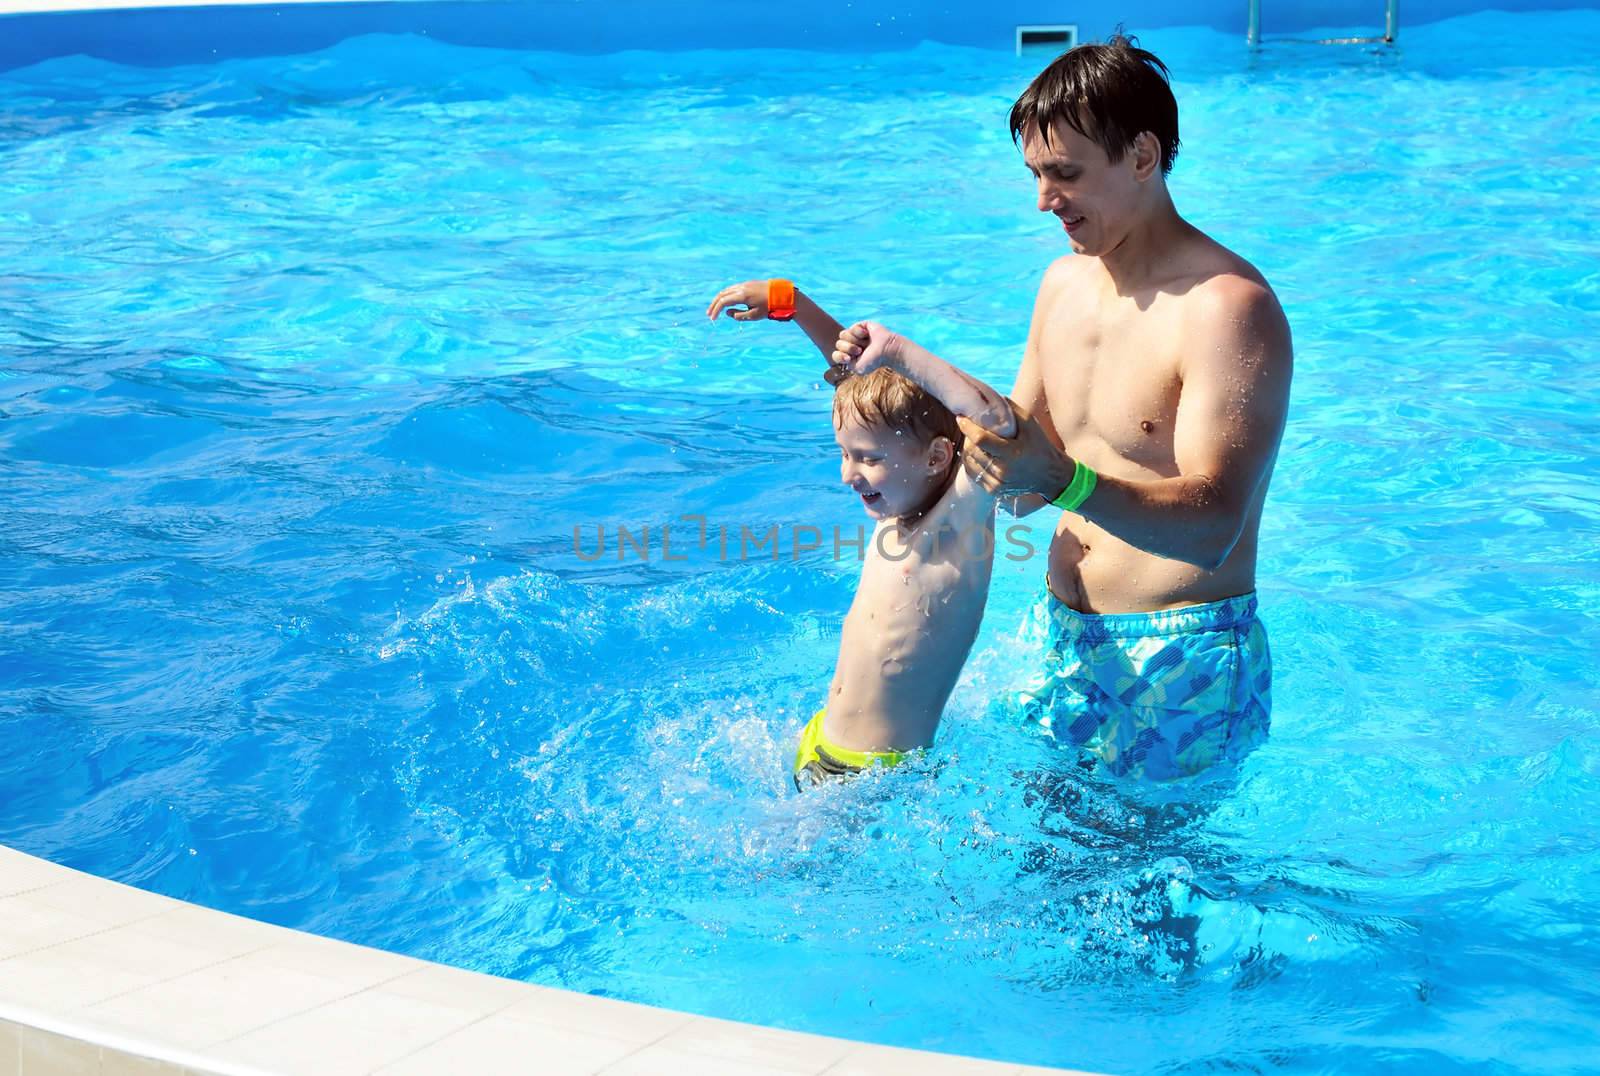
(310, 366)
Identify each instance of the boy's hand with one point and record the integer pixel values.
(863, 347)
(752, 295)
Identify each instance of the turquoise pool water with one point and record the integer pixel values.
(310, 366)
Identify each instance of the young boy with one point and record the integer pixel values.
(925, 576)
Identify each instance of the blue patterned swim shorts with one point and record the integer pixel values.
(1154, 695)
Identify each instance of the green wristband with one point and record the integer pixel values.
(1078, 489)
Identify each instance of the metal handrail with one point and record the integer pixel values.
(1391, 27)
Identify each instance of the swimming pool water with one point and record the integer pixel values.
(312, 365)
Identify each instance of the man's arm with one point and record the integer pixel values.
(1028, 392)
(1231, 412)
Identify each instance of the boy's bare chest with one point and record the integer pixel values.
(1111, 378)
(926, 576)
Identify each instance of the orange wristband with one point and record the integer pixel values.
(780, 299)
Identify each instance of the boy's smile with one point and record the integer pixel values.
(892, 473)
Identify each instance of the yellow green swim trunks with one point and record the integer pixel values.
(818, 760)
(1157, 695)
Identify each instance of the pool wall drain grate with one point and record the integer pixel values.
(1059, 37)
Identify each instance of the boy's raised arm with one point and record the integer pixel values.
(753, 297)
(867, 345)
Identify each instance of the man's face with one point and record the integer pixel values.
(893, 473)
(1096, 201)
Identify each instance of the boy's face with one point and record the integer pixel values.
(893, 473)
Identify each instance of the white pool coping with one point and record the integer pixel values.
(99, 977)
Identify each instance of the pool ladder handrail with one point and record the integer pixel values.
(1391, 27)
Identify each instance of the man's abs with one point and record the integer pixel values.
(1095, 572)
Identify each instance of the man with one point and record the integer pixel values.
(1150, 403)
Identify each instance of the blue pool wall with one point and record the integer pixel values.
(161, 37)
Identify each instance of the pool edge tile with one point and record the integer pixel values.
(45, 1053)
(639, 1024)
(11, 1047)
(249, 967)
(872, 1059)
(21, 873)
(498, 1044)
(352, 1035)
(770, 1047)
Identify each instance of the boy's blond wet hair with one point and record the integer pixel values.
(886, 398)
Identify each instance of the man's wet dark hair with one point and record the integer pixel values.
(1108, 93)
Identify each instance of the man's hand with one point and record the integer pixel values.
(752, 295)
(1009, 466)
(862, 348)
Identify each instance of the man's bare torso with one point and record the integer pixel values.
(1111, 365)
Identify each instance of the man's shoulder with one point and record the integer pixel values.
(1066, 268)
(1231, 317)
(1066, 276)
(1221, 279)
(1064, 263)
(1231, 297)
